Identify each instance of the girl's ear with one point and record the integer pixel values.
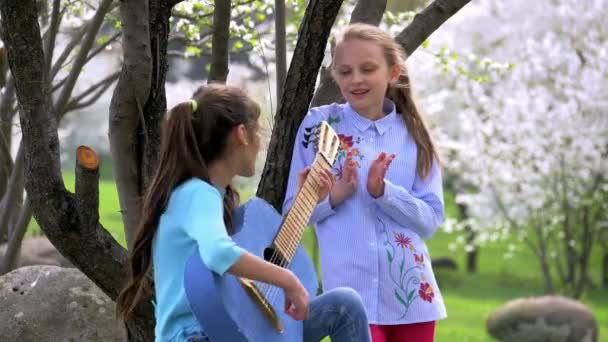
(241, 135)
(395, 72)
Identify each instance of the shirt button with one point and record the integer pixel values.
(371, 139)
(375, 280)
(372, 244)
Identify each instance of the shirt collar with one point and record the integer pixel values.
(382, 125)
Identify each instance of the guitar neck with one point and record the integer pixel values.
(295, 222)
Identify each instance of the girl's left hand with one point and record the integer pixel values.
(377, 171)
(325, 182)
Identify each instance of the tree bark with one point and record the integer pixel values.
(219, 47)
(299, 86)
(126, 111)
(156, 104)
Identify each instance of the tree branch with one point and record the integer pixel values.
(67, 50)
(81, 58)
(102, 47)
(56, 16)
(76, 102)
(221, 35)
(426, 22)
(368, 11)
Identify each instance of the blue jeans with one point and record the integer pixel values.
(338, 313)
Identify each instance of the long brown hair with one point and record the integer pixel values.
(190, 141)
(400, 92)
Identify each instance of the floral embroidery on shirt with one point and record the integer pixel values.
(346, 151)
(426, 292)
(410, 284)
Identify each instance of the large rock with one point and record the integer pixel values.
(547, 319)
(50, 303)
(38, 251)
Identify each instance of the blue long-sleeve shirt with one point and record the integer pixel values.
(193, 219)
(375, 245)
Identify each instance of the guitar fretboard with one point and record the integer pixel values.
(295, 222)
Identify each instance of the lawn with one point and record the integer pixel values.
(469, 297)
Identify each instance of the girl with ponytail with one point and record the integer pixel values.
(205, 142)
(388, 196)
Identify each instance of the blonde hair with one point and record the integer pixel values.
(400, 92)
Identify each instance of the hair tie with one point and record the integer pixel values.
(194, 105)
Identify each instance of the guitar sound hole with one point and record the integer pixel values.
(274, 256)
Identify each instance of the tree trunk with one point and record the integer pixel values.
(126, 111)
(605, 270)
(11, 258)
(156, 105)
(587, 238)
(299, 86)
(543, 258)
(470, 238)
(219, 47)
(14, 194)
(281, 46)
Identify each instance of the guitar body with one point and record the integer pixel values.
(224, 308)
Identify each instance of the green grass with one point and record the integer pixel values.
(469, 297)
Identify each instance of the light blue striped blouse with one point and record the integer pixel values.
(375, 245)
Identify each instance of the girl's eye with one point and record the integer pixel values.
(344, 72)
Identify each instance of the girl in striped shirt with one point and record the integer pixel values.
(388, 196)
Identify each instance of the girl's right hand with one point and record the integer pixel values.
(346, 186)
(296, 298)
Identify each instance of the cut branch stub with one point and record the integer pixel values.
(87, 186)
(87, 158)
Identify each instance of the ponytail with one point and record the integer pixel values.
(179, 146)
(401, 95)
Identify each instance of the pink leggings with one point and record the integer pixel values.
(416, 332)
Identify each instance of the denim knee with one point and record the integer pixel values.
(349, 299)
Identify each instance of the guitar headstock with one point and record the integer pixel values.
(324, 140)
